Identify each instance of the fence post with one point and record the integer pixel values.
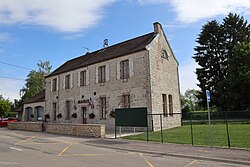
(147, 133)
(161, 129)
(191, 125)
(115, 131)
(228, 137)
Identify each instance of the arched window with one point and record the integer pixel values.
(165, 54)
(28, 113)
(39, 113)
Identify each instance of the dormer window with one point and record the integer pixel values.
(165, 54)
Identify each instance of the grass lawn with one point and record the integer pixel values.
(239, 135)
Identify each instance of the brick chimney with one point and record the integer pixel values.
(157, 27)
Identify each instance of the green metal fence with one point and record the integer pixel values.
(230, 129)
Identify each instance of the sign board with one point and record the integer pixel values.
(208, 95)
(133, 117)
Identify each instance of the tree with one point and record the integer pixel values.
(216, 43)
(190, 101)
(5, 107)
(208, 55)
(239, 67)
(185, 104)
(35, 81)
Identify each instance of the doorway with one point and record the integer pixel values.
(84, 115)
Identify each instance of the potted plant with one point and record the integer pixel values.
(91, 115)
(74, 115)
(59, 115)
(112, 114)
(46, 116)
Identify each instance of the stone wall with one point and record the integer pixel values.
(33, 106)
(87, 130)
(164, 79)
(29, 126)
(136, 86)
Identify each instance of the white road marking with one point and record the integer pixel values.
(13, 148)
(8, 163)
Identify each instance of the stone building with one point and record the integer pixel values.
(140, 72)
(34, 108)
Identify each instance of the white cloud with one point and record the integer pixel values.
(4, 37)
(188, 78)
(189, 11)
(10, 88)
(61, 15)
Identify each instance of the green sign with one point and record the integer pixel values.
(134, 117)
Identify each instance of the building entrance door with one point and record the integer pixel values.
(84, 115)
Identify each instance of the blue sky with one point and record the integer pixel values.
(57, 30)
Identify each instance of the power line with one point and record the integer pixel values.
(20, 79)
(16, 66)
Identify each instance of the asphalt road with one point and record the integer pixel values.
(33, 149)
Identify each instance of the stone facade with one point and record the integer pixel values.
(150, 76)
(31, 111)
(113, 90)
(164, 79)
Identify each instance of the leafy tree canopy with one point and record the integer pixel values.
(35, 81)
(214, 54)
(5, 107)
(190, 101)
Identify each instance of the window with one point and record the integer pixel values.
(67, 81)
(103, 107)
(164, 102)
(124, 69)
(39, 113)
(54, 85)
(165, 54)
(28, 111)
(54, 105)
(83, 78)
(101, 74)
(170, 102)
(126, 101)
(67, 110)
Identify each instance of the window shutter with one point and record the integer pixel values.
(107, 72)
(51, 85)
(57, 84)
(118, 71)
(64, 82)
(96, 75)
(87, 77)
(78, 78)
(71, 80)
(131, 68)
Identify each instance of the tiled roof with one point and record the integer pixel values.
(18, 109)
(124, 48)
(39, 97)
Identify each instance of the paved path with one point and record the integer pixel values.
(34, 149)
(236, 156)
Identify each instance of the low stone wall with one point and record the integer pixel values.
(29, 126)
(87, 130)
